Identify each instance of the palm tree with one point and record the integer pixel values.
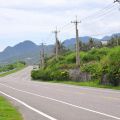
(91, 43)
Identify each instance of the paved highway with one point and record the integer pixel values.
(47, 101)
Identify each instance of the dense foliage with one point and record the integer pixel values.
(9, 67)
(97, 62)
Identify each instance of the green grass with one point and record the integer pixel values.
(88, 84)
(7, 111)
(12, 71)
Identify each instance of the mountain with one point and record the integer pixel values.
(70, 42)
(109, 37)
(26, 51)
(30, 52)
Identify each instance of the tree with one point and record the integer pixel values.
(91, 43)
(114, 41)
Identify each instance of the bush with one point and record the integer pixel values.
(60, 75)
(10, 67)
(114, 67)
(114, 76)
(48, 75)
(95, 69)
(95, 54)
(40, 75)
(70, 58)
(90, 57)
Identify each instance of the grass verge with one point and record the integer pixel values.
(7, 111)
(88, 84)
(12, 71)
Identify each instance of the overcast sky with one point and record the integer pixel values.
(36, 19)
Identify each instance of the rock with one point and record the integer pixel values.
(77, 75)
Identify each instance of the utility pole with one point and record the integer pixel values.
(40, 66)
(42, 58)
(56, 45)
(118, 1)
(76, 22)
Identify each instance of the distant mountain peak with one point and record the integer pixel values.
(30, 52)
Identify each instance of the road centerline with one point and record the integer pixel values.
(63, 102)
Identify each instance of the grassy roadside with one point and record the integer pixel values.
(100, 66)
(7, 111)
(94, 84)
(12, 71)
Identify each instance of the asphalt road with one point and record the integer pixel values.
(47, 101)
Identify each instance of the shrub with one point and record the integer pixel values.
(114, 76)
(48, 75)
(95, 54)
(89, 57)
(10, 67)
(114, 67)
(60, 75)
(70, 58)
(40, 75)
(95, 69)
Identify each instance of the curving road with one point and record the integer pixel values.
(47, 101)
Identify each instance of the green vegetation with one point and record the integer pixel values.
(7, 111)
(87, 84)
(102, 64)
(11, 68)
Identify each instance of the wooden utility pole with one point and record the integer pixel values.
(76, 22)
(57, 42)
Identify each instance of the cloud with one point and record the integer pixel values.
(36, 19)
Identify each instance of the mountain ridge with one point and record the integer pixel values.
(28, 49)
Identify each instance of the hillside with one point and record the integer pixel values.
(99, 66)
(26, 51)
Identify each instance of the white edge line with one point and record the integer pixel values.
(69, 104)
(26, 105)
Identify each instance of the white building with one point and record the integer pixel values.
(105, 42)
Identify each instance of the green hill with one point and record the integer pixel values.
(100, 65)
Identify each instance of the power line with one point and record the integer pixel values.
(99, 16)
(99, 11)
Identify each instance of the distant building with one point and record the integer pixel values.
(105, 42)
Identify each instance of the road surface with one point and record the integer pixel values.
(47, 101)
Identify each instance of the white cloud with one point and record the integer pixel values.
(35, 19)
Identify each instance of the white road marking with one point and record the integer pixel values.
(77, 87)
(26, 105)
(66, 103)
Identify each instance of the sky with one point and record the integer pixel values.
(36, 20)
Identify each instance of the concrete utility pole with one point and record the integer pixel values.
(40, 66)
(42, 58)
(76, 22)
(116, 1)
(56, 45)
